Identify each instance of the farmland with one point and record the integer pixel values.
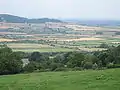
(63, 37)
(79, 80)
(47, 50)
(28, 47)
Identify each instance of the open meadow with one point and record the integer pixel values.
(74, 80)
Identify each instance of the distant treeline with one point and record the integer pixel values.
(11, 62)
(99, 22)
(16, 19)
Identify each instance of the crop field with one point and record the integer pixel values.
(74, 80)
(36, 47)
(6, 40)
(58, 37)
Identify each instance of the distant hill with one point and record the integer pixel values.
(16, 19)
(100, 22)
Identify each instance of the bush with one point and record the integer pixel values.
(116, 66)
(110, 65)
(95, 66)
(54, 66)
(99, 33)
(30, 67)
(88, 65)
(61, 69)
(104, 45)
(44, 70)
(77, 69)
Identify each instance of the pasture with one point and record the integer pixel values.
(73, 80)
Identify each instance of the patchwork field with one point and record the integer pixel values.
(79, 80)
(47, 37)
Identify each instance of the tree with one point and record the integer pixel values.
(102, 57)
(89, 61)
(104, 45)
(75, 59)
(10, 62)
(37, 57)
(91, 58)
(54, 66)
(30, 67)
(95, 66)
(87, 65)
(99, 33)
(59, 58)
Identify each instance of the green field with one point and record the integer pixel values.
(82, 80)
(28, 47)
(45, 50)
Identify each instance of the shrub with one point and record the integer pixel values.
(53, 66)
(77, 69)
(110, 65)
(104, 45)
(88, 65)
(30, 67)
(61, 69)
(95, 66)
(116, 65)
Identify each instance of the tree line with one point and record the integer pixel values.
(11, 62)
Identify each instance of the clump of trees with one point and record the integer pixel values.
(117, 33)
(99, 33)
(77, 60)
(104, 45)
(11, 63)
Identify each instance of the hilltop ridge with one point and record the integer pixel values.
(16, 19)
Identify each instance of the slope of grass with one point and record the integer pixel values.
(84, 80)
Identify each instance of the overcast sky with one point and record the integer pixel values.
(83, 9)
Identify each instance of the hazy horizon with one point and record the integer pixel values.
(63, 9)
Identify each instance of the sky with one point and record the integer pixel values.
(82, 9)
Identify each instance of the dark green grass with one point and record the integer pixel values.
(83, 80)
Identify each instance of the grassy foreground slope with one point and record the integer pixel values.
(84, 80)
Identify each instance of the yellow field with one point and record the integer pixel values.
(79, 39)
(83, 39)
(6, 40)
